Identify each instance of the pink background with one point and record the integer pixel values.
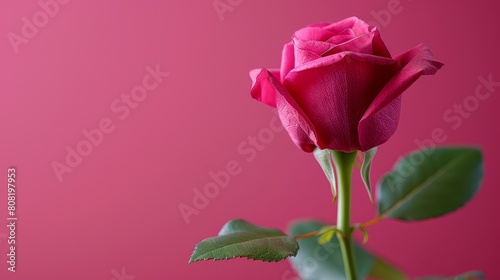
(119, 207)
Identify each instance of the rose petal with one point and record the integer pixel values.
(262, 90)
(360, 27)
(378, 45)
(378, 128)
(310, 43)
(320, 47)
(313, 34)
(317, 47)
(379, 121)
(351, 22)
(291, 116)
(351, 34)
(287, 60)
(360, 44)
(331, 59)
(306, 51)
(335, 91)
(368, 43)
(341, 38)
(295, 123)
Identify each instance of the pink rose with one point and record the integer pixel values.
(338, 87)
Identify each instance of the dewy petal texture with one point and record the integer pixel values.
(338, 87)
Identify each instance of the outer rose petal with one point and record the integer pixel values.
(296, 125)
(379, 122)
(377, 129)
(293, 119)
(262, 90)
(287, 60)
(335, 91)
(378, 45)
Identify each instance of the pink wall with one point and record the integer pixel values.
(118, 207)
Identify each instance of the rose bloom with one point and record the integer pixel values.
(338, 87)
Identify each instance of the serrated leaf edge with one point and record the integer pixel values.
(191, 260)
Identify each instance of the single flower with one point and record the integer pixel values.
(338, 87)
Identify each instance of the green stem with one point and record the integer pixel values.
(344, 163)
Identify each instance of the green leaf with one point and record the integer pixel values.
(468, 276)
(430, 183)
(240, 239)
(365, 170)
(324, 159)
(324, 262)
(317, 262)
